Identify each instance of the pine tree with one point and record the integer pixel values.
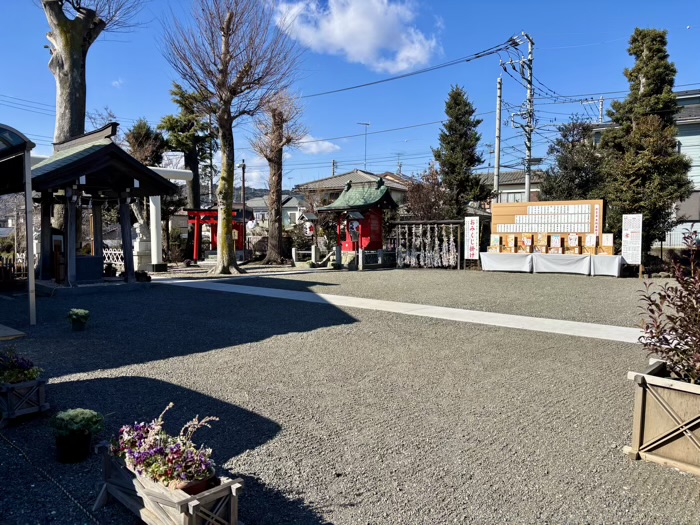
(644, 173)
(577, 172)
(146, 144)
(458, 155)
(189, 133)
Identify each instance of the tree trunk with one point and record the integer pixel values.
(193, 192)
(274, 240)
(194, 185)
(71, 40)
(226, 250)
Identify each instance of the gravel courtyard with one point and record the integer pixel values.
(350, 416)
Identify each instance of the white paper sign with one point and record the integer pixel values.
(632, 238)
(471, 238)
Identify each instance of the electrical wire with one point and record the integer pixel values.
(508, 44)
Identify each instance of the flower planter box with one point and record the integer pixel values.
(666, 426)
(19, 399)
(155, 504)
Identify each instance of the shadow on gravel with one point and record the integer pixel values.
(263, 505)
(156, 323)
(125, 400)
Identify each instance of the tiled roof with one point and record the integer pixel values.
(356, 177)
(67, 156)
(512, 177)
(360, 197)
(689, 112)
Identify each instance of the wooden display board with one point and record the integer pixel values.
(548, 217)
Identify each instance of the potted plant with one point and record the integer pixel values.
(74, 430)
(78, 318)
(21, 390)
(155, 474)
(667, 399)
(174, 461)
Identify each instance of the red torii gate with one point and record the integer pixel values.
(211, 218)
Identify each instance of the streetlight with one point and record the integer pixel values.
(366, 125)
(242, 166)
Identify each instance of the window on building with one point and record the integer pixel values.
(518, 196)
(292, 217)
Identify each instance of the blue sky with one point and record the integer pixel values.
(579, 50)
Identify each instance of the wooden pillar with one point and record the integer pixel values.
(128, 250)
(70, 229)
(214, 238)
(45, 270)
(197, 237)
(78, 223)
(96, 226)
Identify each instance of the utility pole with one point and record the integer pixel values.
(245, 230)
(211, 165)
(334, 166)
(529, 112)
(600, 107)
(530, 126)
(497, 148)
(366, 125)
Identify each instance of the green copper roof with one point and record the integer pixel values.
(67, 156)
(361, 197)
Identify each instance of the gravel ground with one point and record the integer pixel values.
(603, 300)
(348, 416)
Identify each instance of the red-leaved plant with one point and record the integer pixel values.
(672, 323)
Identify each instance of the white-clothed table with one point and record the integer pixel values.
(506, 262)
(555, 263)
(606, 265)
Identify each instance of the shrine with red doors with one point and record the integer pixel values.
(360, 211)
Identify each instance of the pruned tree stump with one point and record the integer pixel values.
(156, 504)
(19, 399)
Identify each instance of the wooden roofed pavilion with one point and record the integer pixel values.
(90, 170)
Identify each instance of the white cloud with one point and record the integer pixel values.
(118, 83)
(318, 147)
(376, 33)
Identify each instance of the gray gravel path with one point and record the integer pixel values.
(572, 297)
(351, 417)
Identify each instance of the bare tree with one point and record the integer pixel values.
(234, 53)
(75, 25)
(278, 126)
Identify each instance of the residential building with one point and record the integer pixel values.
(325, 191)
(511, 185)
(292, 208)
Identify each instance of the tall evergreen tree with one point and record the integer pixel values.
(146, 144)
(457, 154)
(644, 173)
(577, 172)
(189, 132)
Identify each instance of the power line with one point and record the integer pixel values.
(512, 42)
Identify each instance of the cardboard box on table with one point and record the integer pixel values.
(494, 249)
(607, 245)
(525, 245)
(590, 244)
(573, 244)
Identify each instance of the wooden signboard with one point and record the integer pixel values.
(563, 217)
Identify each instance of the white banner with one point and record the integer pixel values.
(632, 238)
(471, 238)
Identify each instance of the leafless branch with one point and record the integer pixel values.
(278, 126)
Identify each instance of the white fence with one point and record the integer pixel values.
(113, 256)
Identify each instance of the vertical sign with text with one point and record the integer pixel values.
(632, 238)
(471, 237)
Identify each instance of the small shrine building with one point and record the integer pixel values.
(360, 210)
